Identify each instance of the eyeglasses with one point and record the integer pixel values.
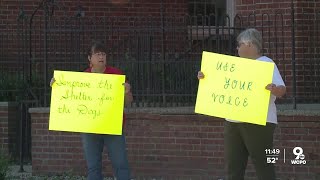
(240, 43)
(100, 54)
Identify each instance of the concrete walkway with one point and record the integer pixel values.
(15, 174)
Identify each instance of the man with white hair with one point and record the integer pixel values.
(244, 139)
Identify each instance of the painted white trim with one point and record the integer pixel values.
(7, 104)
(282, 109)
(231, 10)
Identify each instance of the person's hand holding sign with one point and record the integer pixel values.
(127, 88)
(270, 87)
(200, 75)
(277, 91)
(128, 98)
(52, 81)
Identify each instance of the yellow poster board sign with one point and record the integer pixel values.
(87, 102)
(234, 88)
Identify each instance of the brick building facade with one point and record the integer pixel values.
(273, 18)
(176, 144)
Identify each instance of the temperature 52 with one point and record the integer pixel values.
(272, 155)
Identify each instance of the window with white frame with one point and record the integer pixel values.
(211, 12)
(211, 21)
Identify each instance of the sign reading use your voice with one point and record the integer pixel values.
(234, 88)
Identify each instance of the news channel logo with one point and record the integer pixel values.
(274, 155)
(300, 157)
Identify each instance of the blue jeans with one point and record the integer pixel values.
(93, 147)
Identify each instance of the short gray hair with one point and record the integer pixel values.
(251, 35)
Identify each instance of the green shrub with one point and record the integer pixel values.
(13, 86)
(4, 165)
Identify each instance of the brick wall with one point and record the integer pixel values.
(175, 146)
(307, 46)
(9, 9)
(263, 13)
(64, 46)
(9, 128)
(306, 43)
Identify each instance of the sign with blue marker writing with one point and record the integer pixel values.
(234, 88)
(87, 102)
